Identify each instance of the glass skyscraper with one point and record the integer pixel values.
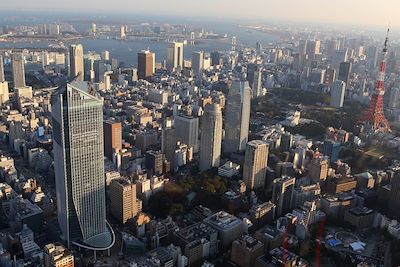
(79, 166)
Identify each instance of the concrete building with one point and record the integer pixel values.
(394, 196)
(228, 226)
(282, 194)
(76, 65)
(154, 162)
(255, 164)
(211, 135)
(18, 70)
(78, 147)
(112, 137)
(338, 90)
(229, 169)
(56, 255)
(4, 93)
(123, 200)
(246, 250)
(237, 117)
(262, 214)
(146, 66)
(175, 56)
(318, 169)
(187, 131)
(198, 62)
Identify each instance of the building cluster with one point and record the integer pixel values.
(94, 151)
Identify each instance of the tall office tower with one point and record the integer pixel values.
(175, 56)
(76, 62)
(332, 149)
(282, 194)
(123, 200)
(122, 32)
(258, 48)
(18, 70)
(94, 28)
(78, 148)
(286, 141)
(56, 255)
(4, 94)
(331, 47)
(168, 144)
(233, 43)
(318, 169)
(105, 55)
(313, 48)
(255, 164)
(303, 47)
(394, 196)
(372, 57)
(187, 131)
(394, 101)
(215, 58)
(100, 68)
(257, 83)
(237, 117)
(54, 29)
(112, 137)
(145, 65)
(330, 76)
(251, 70)
(337, 94)
(211, 135)
(198, 62)
(344, 71)
(154, 162)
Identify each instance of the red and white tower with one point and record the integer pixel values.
(374, 115)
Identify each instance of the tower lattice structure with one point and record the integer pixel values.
(374, 115)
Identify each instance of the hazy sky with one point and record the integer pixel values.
(357, 12)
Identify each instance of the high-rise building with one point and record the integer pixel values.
(237, 117)
(122, 32)
(123, 200)
(76, 62)
(18, 70)
(332, 149)
(318, 169)
(257, 83)
(4, 94)
(338, 90)
(154, 162)
(394, 196)
(168, 144)
(175, 56)
(211, 135)
(215, 58)
(187, 131)
(112, 137)
(394, 101)
(77, 113)
(255, 164)
(198, 62)
(145, 65)
(94, 28)
(313, 48)
(344, 71)
(282, 194)
(258, 48)
(330, 75)
(56, 255)
(105, 55)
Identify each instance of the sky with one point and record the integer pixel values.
(351, 12)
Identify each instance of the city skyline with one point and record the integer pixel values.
(356, 12)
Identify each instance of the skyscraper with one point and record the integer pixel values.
(255, 164)
(257, 83)
(337, 94)
(76, 61)
(237, 117)
(77, 114)
(313, 48)
(282, 194)
(344, 71)
(211, 134)
(18, 70)
(4, 94)
(187, 131)
(175, 56)
(198, 62)
(112, 137)
(123, 200)
(394, 197)
(145, 65)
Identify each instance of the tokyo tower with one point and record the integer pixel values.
(374, 115)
